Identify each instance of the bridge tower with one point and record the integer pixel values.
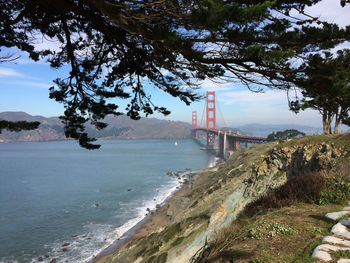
(211, 119)
(194, 125)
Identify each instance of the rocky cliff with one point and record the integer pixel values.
(213, 198)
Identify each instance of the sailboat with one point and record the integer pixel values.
(175, 143)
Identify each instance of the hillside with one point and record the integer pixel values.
(265, 204)
(120, 127)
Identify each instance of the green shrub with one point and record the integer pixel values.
(337, 192)
(261, 176)
(171, 231)
(177, 241)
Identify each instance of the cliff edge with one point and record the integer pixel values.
(208, 207)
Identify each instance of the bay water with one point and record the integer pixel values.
(60, 201)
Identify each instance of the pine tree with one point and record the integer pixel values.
(325, 86)
(112, 45)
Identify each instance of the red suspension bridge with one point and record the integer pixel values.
(228, 141)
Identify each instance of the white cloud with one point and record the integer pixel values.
(331, 11)
(24, 84)
(8, 72)
(248, 97)
(33, 84)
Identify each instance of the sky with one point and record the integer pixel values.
(24, 87)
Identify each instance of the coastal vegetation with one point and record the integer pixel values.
(284, 135)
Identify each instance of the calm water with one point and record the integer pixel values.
(56, 192)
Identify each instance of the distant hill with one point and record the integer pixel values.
(120, 127)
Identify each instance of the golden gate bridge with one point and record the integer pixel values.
(228, 140)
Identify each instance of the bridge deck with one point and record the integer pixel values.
(238, 137)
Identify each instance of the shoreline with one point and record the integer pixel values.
(130, 233)
(155, 219)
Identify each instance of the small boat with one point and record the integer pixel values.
(176, 144)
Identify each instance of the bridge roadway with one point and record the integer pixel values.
(228, 141)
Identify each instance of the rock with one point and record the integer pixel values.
(47, 256)
(340, 230)
(53, 261)
(129, 190)
(331, 248)
(336, 241)
(343, 260)
(347, 208)
(64, 249)
(336, 215)
(148, 210)
(323, 255)
(40, 259)
(345, 222)
(65, 244)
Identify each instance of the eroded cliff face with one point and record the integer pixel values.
(214, 198)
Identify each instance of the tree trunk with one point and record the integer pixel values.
(337, 121)
(336, 127)
(327, 118)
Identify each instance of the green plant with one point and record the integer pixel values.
(194, 204)
(277, 175)
(276, 229)
(257, 261)
(261, 176)
(154, 248)
(316, 230)
(262, 245)
(177, 241)
(336, 193)
(342, 254)
(237, 253)
(171, 231)
(256, 233)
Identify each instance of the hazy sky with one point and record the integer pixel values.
(24, 87)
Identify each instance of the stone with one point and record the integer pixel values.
(53, 261)
(345, 222)
(40, 259)
(336, 215)
(340, 230)
(347, 208)
(343, 260)
(64, 249)
(65, 245)
(323, 255)
(327, 247)
(336, 240)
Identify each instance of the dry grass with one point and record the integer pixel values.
(236, 243)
